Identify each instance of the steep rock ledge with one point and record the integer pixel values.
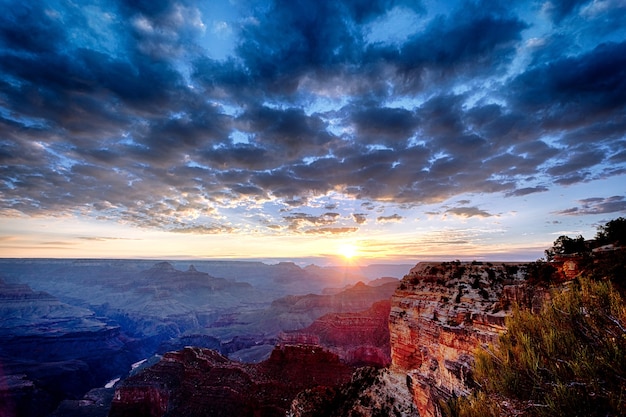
(442, 312)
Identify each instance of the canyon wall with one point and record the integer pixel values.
(50, 351)
(442, 312)
(201, 382)
(360, 339)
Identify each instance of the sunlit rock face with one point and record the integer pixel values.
(200, 382)
(441, 313)
(360, 339)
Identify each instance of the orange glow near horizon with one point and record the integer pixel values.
(66, 237)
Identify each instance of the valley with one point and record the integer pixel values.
(71, 326)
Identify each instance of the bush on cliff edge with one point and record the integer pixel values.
(568, 360)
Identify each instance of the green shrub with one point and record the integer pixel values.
(476, 404)
(567, 360)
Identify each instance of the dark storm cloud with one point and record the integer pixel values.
(118, 109)
(27, 28)
(243, 156)
(606, 131)
(465, 44)
(289, 133)
(620, 156)
(363, 10)
(577, 161)
(560, 9)
(574, 91)
(288, 39)
(596, 205)
(147, 7)
(383, 125)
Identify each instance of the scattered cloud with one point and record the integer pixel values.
(331, 230)
(129, 118)
(468, 212)
(527, 190)
(204, 229)
(103, 238)
(615, 204)
(359, 218)
(386, 219)
(57, 243)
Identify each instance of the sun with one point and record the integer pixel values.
(347, 250)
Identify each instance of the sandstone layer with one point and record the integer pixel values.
(360, 339)
(442, 312)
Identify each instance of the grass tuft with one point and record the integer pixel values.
(567, 360)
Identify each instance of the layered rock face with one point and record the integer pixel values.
(360, 339)
(201, 382)
(441, 313)
(296, 312)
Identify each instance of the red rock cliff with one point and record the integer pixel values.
(360, 339)
(201, 382)
(441, 313)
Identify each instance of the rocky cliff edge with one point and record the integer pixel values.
(442, 312)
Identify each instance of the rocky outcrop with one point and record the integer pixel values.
(201, 382)
(370, 393)
(95, 403)
(442, 312)
(360, 339)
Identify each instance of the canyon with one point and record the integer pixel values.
(440, 315)
(51, 350)
(70, 327)
(414, 350)
(387, 347)
(358, 338)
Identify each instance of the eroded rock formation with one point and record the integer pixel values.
(442, 312)
(201, 382)
(360, 339)
(370, 393)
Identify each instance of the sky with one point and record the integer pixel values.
(302, 129)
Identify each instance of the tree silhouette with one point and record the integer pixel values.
(613, 231)
(565, 245)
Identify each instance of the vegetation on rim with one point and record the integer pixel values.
(567, 360)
